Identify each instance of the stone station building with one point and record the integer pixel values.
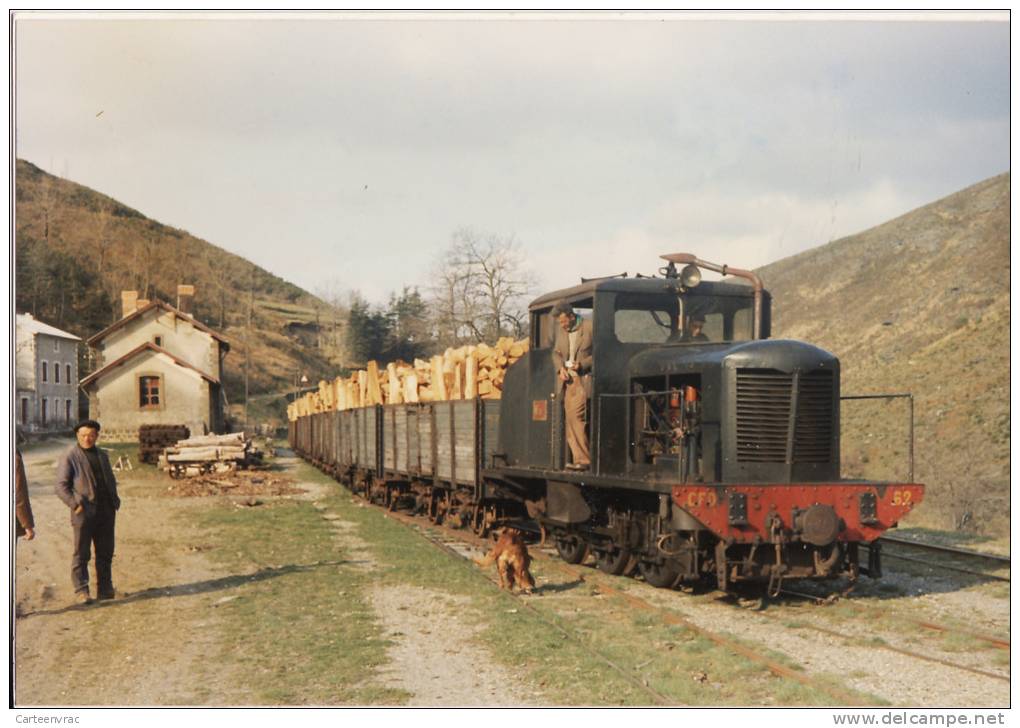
(156, 366)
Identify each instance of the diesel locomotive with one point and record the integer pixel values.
(713, 457)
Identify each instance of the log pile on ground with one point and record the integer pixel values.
(153, 439)
(463, 373)
(242, 482)
(209, 454)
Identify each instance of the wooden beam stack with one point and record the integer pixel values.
(209, 448)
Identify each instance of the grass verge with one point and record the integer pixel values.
(301, 630)
(528, 633)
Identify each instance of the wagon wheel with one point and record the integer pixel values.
(457, 519)
(433, 512)
(614, 560)
(571, 548)
(484, 517)
(661, 575)
(442, 507)
(478, 519)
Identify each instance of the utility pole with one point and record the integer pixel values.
(247, 344)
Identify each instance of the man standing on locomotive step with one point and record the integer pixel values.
(85, 483)
(571, 357)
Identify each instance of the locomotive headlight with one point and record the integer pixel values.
(690, 276)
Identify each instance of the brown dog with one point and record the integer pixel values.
(512, 560)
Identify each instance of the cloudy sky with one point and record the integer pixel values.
(347, 149)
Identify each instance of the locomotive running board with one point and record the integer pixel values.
(580, 478)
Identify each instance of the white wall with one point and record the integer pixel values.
(114, 398)
(179, 338)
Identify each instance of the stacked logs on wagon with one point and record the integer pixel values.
(462, 373)
(209, 454)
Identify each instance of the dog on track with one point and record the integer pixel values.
(510, 554)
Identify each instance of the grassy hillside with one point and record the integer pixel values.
(921, 305)
(77, 249)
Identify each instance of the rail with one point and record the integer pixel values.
(946, 549)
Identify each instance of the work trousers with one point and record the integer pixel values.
(575, 404)
(95, 525)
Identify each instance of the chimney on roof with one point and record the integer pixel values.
(185, 295)
(128, 303)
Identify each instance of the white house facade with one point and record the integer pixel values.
(156, 366)
(46, 376)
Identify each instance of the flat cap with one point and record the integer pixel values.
(87, 423)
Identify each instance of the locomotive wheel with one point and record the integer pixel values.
(614, 560)
(571, 549)
(659, 575)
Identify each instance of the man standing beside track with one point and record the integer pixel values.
(571, 357)
(85, 483)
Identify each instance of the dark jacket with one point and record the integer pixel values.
(75, 483)
(561, 352)
(22, 508)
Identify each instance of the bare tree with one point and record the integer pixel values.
(480, 288)
(334, 294)
(453, 304)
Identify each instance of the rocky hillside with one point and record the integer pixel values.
(77, 249)
(919, 304)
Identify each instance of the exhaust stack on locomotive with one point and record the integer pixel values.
(715, 450)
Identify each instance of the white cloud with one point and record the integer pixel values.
(742, 230)
(363, 145)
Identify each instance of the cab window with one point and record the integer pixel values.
(541, 329)
(722, 318)
(644, 319)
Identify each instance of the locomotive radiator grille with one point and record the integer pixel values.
(765, 398)
(812, 440)
(763, 415)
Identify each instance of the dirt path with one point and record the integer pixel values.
(433, 656)
(153, 644)
(149, 644)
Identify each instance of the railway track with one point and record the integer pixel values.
(951, 557)
(601, 581)
(453, 541)
(878, 612)
(910, 653)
